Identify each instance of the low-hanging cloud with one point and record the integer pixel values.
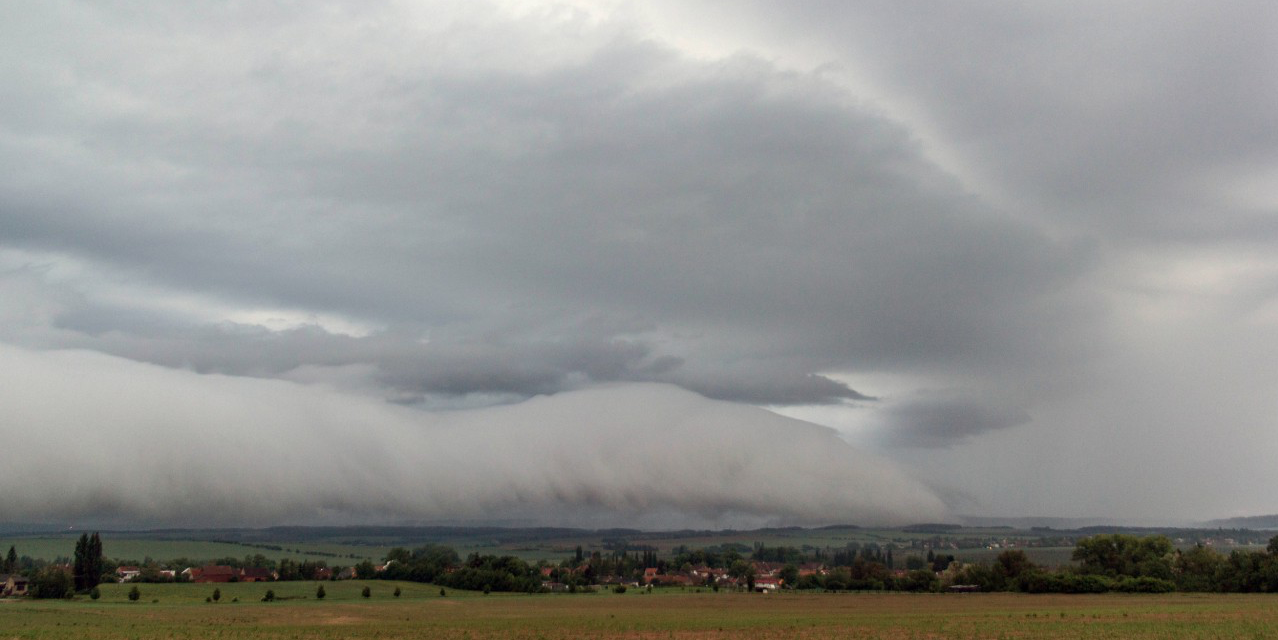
(121, 441)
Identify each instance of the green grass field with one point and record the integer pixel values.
(48, 548)
(420, 612)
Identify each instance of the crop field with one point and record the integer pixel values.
(49, 548)
(180, 611)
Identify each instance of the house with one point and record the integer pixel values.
(812, 569)
(126, 573)
(348, 573)
(322, 573)
(555, 587)
(213, 573)
(13, 585)
(257, 574)
(649, 574)
(766, 584)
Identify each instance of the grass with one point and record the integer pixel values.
(420, 613)
(48, 548)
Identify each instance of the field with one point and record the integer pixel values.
(421, 612)
(48, 548)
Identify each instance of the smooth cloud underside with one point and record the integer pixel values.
(122, 441)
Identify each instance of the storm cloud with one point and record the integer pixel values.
(137, 443)
(1060, 215)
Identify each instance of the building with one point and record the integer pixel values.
(13, 585)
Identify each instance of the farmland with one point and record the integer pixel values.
(180, 611)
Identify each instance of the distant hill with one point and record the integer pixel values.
(1262, 523)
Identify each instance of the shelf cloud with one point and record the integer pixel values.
(139, 443)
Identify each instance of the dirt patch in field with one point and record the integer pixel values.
(338, 620)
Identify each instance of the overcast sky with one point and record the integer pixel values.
(1017, 259)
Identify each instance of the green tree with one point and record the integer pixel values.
(1117, 555)
(790, 575)
(270, 596)
(217, 595)
(88, 564)
(134, 594)
(79, 565)
(367, 593)
(11, 561)
(95, 593)
(319, 592)
(1009, 566)
(397, 592)
(52, 582)
(95, 561)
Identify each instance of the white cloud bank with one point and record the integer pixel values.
(105, 439)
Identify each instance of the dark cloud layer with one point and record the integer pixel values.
(761, 225)
(1060, 209)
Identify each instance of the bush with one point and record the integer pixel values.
(1144, 584)
(95, 593)
(367, 593)
(621, 588)
(319, 592)
(134, 594)
(52, 583)
(270, 596)
(442, 593)
(397, 592)
(217, 595)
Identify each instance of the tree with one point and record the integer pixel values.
(397, 592)
(367, 593)
(1117, 554)
(319, 592)
(52, 582)
(790, 576)
(270, 596)
(79, 569)
(88, 563)
(95, 560)
(95, 593)
(134, 594)
(11, 561)
(1009, 566)
(217, 595)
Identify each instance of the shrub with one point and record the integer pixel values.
(134, 594)
(52, 583)
(621, 588)
(1144, 584)
(217, 595)
(95, 593)
(319, 592)
(442, 593)
(270, 596)
(397, 592)
(367, 593)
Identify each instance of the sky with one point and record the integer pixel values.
(663, 263)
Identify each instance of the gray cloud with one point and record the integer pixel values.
(184, 448)
(452, 205)
(945, 420)
(761, 226)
